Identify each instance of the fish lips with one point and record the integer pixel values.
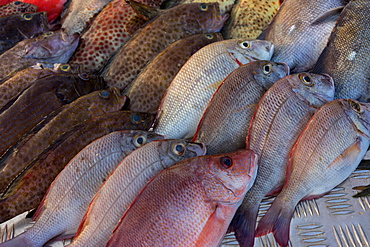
(198, 148)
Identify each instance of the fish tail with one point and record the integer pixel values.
(276, 220)
(244, 224)
(19, 240)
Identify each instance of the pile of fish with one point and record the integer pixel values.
(166, 123)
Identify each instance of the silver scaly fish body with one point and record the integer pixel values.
(347, 54)
(281, 115)
(189, 93)
(123, 185)
(71, 192)
(224, 125)
(325, 154)
(298, 39)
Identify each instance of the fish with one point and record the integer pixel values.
(280, 117)
(188, 204)
(328, 150)
(41, 99)
(29, 188)
(225, 122)
(16, 7)
(225, 5)
(146, 91)
(347, 53)
(12, 87)
(192, 88)
(123, 185)
(92, 104)
(52, 47)
(300, 39)
(28, 25)
(111, 29)
(186, 19)
(249, 18)
(68, 197)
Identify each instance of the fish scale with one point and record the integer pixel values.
(168, 27)
(280, 117)
(190, 91)
(328, 150)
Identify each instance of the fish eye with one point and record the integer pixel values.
(226, 162)
(267, 68)
(178, 148)
(65, 67)
(17, 2)
(244, 44)
(104, 94)
(355, 105)
(27, 16)
(135, 119)
(48, 33)
(306, 79)
(139, 140)
(209, 36)
(83, 76)
(203, 7)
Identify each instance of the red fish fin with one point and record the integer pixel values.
(276, 220)
(349, 155)
(40, 208)
(244, 224)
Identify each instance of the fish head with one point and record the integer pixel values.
(201, 17)
(138, 138)
(359, 113)
(104, 101)
(53, 47)
(141, 119)
(67, 68)
(21, 7)
(176, 150)
(317, 89)
(32, 23)
(244, 51)
(267, 72)
(227, 177)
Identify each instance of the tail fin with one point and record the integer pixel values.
(244, 224)
(19, 240)
(276, 220)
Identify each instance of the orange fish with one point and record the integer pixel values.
(189, 204)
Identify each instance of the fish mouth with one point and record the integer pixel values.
(326, 97)
(198, 148)
(287, 68)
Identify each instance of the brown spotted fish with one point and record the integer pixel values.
(325, 154)
(11, 88)
(189, 204)
(27, 25)
(38, 101)
(192, 88)
(146, 91)
(28, 189)
(249, 18)
(93, 104)
(225, 5)
(281, 115)
(16, 7)
(168, 27)
(69, 196)
(225, 123)
(52, 47)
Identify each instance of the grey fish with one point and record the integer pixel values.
(225, 122)
(281, 115)
(70, 194)
(325, 154)
(347, 54)
(186, 19)
(300, 38)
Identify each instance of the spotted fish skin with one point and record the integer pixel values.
(52, 47)
(168, 27)
(83, 108)
(249, 18)
(69, 196)
(225, 5)
(190, 204)
(225, 123)
(28, 25)
(16, 7)
(281, 115)
(347, 53)
(147, 90)
(22, 195)
(326, 153)
(192, 88)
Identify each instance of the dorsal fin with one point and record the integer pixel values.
(144, 11)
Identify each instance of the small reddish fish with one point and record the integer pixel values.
(189, 204)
